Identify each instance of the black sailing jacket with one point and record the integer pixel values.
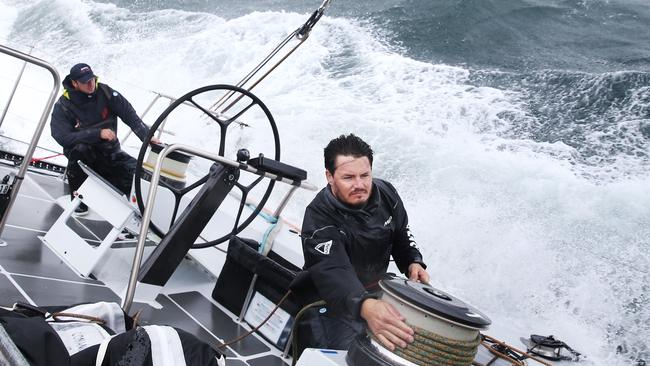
(78, 117)
(347, 250)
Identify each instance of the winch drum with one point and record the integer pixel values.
(425, 307)
(425, 317)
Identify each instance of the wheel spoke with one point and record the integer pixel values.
(223, 129)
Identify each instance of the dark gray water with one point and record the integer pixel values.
(582, 67)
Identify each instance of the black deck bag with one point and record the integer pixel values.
(150, 346)
(242, 262)
(275, 275)
(68, 336)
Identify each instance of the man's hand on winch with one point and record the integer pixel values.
(417, 273)
(386, 323)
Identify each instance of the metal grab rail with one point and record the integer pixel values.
(146, 110)
(162, 129)
(13, 92)
(39, 128)
(151, 199)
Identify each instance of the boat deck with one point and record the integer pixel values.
(32, 273)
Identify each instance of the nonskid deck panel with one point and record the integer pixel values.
(31, 272)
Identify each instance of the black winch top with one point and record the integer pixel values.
(436, 302)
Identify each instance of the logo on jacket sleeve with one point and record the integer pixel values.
(324, 247)
(390, 218)
(412, 242)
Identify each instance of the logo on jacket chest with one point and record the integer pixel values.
(324, 247)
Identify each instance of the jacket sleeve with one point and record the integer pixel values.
(123, 109)
(64, 132)
(329, 266)
(405, 249)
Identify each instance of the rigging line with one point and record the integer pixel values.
(55, 316)
(36, 160)
(302, 33)
(255, 329)
(267, 59)
(488, 341)
(263, 76)
(252, 73)
(293, 335)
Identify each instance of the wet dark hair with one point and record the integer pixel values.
(349, 145)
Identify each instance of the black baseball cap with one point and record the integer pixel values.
(81, 73)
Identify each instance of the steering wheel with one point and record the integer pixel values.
(242, 102)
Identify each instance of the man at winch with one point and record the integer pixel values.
(349, 232)
(84, 123)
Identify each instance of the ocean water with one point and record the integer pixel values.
(517, 132)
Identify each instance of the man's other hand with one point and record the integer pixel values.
(107, 134)
(417, 273)
(386, 323)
